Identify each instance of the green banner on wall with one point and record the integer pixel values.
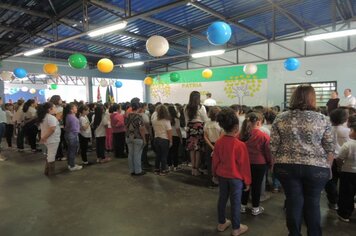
(219, 74)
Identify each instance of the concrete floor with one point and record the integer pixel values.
(104, 200)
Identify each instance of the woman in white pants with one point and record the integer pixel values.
(50, 134)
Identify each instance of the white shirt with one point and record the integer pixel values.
(349, 101)
(212, 131)
(341, 136)
(84, 121)
(176, 126)
(209, 102)
(9, 116)
(348, 154)
(161, 127)
(266, 130)
(201, 116)
(48, 122)
(100, 131)
(19, 115)
(31, 113)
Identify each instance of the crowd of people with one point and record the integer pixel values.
(237, 147)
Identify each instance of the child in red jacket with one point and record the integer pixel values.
(232, 167)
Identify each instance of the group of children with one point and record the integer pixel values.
(233, 141)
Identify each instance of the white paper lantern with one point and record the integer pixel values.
(250, 69)
(24, 89)
(157, 46)
(32, 91)
(6, 75)
(103, 83)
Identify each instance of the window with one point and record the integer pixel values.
(322, 90)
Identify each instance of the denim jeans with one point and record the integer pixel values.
(230, 188)
(162, 150)
(72, 144)
(135, 147)
(302, 185)
(172, 158)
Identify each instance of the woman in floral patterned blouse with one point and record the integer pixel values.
(302, 150)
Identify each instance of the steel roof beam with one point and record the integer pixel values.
(287, 14)
(112, 9)
(349, 5)
(222, 17)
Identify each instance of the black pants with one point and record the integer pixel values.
(331, 185)
(20, 137)
(9, 131)
(31, 131)
(208, 160)
(100, 147)
(347, 194)
(162, 149)
(144, 158)
(83, 144)
(173, 152)
(257, 174)
(62, 142)
(119, 144)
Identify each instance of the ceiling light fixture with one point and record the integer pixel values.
(208, 53)
(331, 35)
(138, 63)
(33, 52)
(108, 29)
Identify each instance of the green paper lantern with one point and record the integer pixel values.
(174, 76)
(77, 61)
(54, 86)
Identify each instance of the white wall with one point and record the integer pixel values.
(336, 67)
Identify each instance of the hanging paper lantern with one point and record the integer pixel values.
(54, 86)
(207, 73)
(6, 75)
(50, 68)
(32, 91)
(291, 64)
(118, 84)
(13, 91)
(41, 92)
(111, 82)
(24, 89)
(20, 73)
(148, 81)
(157, 46)
(250, 69)
(77, 61)
(174, 76)
(105, 65)
(103, 83)
(219, 33)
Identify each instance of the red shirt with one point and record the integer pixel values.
(117, 122)
(230, 159)
(258, 147)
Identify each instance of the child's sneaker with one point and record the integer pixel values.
(241, 230)
(257, 210)
(74, 168)
(343, 219)
(223, 227)
(243, 208)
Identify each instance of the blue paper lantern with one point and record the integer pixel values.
(219, 33)
(41, 92)
(118, 84)
(20, 73)
(291, 64)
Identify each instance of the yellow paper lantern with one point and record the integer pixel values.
(105, 65)
(207, 73)
(50, 68)
(148, 81)
(32, 91)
